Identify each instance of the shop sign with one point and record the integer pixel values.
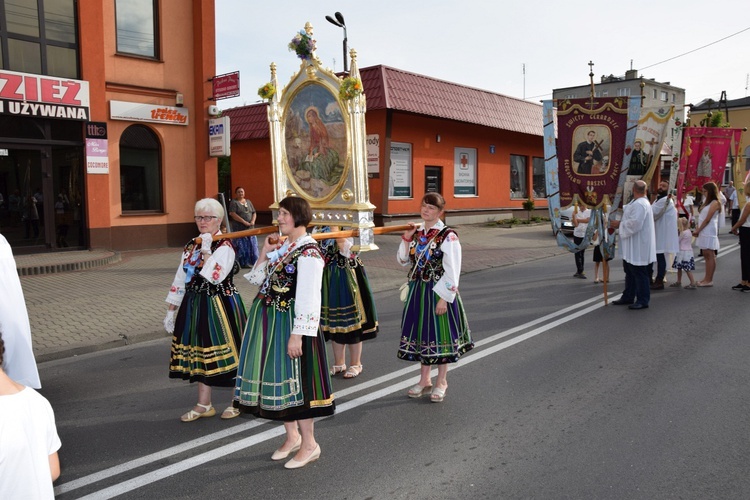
(97, 156)
(96, 130)
(227, 85)
(41, 96)
(465, 172)
(399, 173)
(373, 156)
(218, 136)
(138, 112)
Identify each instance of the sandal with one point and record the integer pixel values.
(353, 371)
(676, 284)
(337, 369)
(230, 412)
(194, 415)
(417, 391)
(438, 395)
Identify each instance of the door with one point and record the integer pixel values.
(433, 179)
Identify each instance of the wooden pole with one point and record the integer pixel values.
(317, 236)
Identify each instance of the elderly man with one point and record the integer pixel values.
(638, 248)
(665, 231)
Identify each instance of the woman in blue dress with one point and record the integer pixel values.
(283, 371)
(434, 329)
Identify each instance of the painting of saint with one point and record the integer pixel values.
(316, 142)
(591, 156)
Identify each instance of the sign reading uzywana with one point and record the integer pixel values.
(227, 85)
(40, 96)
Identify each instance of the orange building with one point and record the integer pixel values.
(103, 122)
(481, 150)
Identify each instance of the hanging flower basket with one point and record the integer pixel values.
(267, 91)
(350, 88)
(303, 45)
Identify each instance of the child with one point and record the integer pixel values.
(28, 440)
(684, 260)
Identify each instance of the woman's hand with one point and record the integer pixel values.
(271, 243)
(409, 233)
(294, 346)
(441, 307)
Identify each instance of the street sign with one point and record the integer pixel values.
(227, 85)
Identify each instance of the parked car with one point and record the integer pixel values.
(566, 220)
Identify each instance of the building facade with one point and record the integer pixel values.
(103, 122)
(481, 150)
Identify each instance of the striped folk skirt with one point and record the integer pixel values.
(427, 337)
(347, 308)
(206, 339)
(272, 385)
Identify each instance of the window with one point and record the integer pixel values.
(399, 173)
(623, 92)
(747, 160)
(465, 172)
(540, 184)
(601, 93)
(674, 98)
(39, 36)
(136, 27)
(140, 170)
(655, 94)
(518, 179)
(664, 96)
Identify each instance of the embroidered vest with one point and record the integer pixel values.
(199, 284)
(280, 286)
(426, 256)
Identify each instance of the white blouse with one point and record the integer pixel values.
(307, 294)
(215, 270)
(447, 285)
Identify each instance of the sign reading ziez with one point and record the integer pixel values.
(41, 96)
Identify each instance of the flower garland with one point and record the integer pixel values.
(267, 91)
(303, 45)
(350, 88)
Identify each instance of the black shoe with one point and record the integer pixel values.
(738, 286)
(637, 306)
(582, 276)
(577, 275)
(657, 287)
(745, 288)
(620, 302)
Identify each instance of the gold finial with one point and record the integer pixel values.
(273, 71)
(591, 77)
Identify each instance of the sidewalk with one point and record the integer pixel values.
(83, 301)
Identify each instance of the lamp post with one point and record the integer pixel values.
(339, 21)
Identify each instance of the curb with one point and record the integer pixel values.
(69, 266)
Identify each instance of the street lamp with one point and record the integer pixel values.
(339, 21)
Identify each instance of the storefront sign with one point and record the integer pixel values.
(96, 130)
(218, 136)
(373, 156)
(39, 96)
(399, 175)
(227, 85)
(138, 112)
(97, 156)
(464, 176)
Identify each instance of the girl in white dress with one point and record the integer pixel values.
(707, 231)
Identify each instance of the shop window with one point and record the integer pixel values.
(60, 20)
(540, 184)
(465, 172)
(22, 17)
(140, 170)
(518, 181)
(136, 27)
(62, 62)
(24, 56)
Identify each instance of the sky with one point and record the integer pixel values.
(486, 45)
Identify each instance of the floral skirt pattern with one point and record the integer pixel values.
(427, 337)
(272, 385)
(247, 250)
(347, 308)
(205, 344)
(684, 260)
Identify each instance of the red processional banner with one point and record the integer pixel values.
(590, 148)
(705, 151)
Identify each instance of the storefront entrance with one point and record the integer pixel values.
(42, 192)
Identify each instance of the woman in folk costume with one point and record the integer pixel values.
(283, 372)
(434, 327)
(206, 313)
(348, 314)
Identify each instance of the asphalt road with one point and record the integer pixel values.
(562, 398)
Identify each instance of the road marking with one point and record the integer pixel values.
(223, 451)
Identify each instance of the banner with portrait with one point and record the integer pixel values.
(645, 154)
(590, 149)
(705, 151)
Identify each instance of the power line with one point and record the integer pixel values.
(694, 50)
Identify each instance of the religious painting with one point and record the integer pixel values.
(591, 155)
(315, 141)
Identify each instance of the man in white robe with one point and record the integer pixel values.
(637, 242)
(19, 361)
(665, 231)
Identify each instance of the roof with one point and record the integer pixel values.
(395, 89)
(709, 104)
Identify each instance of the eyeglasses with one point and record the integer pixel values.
(205, 218)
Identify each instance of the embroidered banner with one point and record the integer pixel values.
(705, 151)
(590, 148)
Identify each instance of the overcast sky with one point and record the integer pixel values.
(486, 44)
